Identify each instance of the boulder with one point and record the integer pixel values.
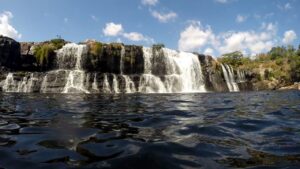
(10, 56)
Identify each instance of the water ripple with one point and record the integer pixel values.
(176, 131)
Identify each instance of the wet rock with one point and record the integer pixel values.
(10, 128)
(212, 72)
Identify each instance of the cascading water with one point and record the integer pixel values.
(10, 85)
(241, 76)
(229, 77)
(76, 82)
(129, 84)
(183, 73)
(95, 84)
(122, 59)
(26, 85)
(76, 78)
(115, 85)
(106, 86)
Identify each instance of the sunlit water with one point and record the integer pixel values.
(153, 131)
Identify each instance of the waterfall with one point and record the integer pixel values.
(10, 83)
(158, 71)
(232, 79)
(229, 77)
(129, 85)
(44, 84)
(26, 85)
(115, 85)
(106, 86)
(122, 59)
(70, 57)
(241, 76)
(76, 82)
(95, 83)
(183, 73)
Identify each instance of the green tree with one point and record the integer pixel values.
(235, 58)
(277, 52)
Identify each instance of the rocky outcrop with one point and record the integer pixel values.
(111, 58)
(10, 56)
(295, 86)
(212, 71)
(28, 60)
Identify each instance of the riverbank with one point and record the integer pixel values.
(295, 86)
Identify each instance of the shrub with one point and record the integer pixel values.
(57, 43)
(44, 51)
(158, 46)
(96, 48)
(234, 59)
(42, 54)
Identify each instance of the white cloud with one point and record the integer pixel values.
(222, 1)
(194, 37)
(289, 36)
(135, 36)
(6, 28)
(264, 16)
(285, 7)
(252, 42)
(117, 30)
(112, 29)
(149, 2)
(240, 18)
(164, 17)
(209, 51)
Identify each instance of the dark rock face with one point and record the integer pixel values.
(28, 60)
(212, 72)
(9, 53)
(158, 62)
(108, 60)
(133, 60)
(245, 86)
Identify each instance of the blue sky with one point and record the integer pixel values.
(206, 26)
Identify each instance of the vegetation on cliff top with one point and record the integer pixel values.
(280, 64)
(45, 51)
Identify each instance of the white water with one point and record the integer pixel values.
(183, 73)
(106, 86)
(129, 84)
(115, 85)
(9, 83)
(122, 59)
(76, 82)
(229, 77)
(95, 83)
(44, 84)
(76, 78)
(23, 86)
(241, 76)
(71, 54)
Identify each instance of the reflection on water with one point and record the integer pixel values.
(216, 130)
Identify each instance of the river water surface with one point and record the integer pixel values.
(150, 131)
